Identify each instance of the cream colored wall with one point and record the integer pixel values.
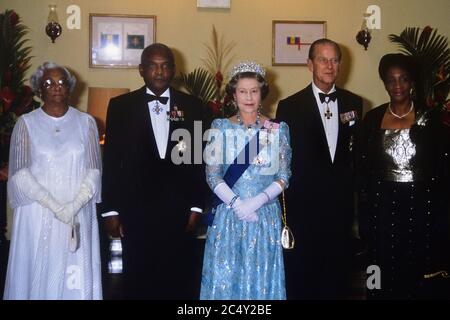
(248, 24)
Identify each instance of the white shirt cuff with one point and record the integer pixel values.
(195, 209)
(109, 214)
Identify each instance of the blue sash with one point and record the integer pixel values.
(234, 172)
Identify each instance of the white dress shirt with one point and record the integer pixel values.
(160, 121)
(331, 126)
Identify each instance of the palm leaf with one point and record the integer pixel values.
(217, 52)
(207, 84)
(14, 54)
(14, 63)
(199, 83)
(431, 51)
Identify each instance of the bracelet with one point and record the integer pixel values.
(268, 198)
(230, 205)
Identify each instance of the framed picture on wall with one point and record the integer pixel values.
(291, 41)
(117, 41)
(213, 4)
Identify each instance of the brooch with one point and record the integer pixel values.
(266, 133)
(259, 160)
(269, 125)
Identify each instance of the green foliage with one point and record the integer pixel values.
(200, 83)
(14, 54)
(16, 98)
(432, 53)
(207, 84)
(218, 51)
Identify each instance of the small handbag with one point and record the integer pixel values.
(74, 241)
(287, 238)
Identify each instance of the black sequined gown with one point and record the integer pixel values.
(404, 207)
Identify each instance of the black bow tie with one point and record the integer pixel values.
(151, 98)
(332, 96)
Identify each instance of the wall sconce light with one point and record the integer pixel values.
(53, 28)
(98, 100)
(363, 37)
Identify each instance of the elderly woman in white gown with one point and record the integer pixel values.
(54, 184)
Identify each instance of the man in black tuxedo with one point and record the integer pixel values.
(149, 199)
(322, 120)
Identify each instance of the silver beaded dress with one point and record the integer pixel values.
(404, 209)
(244, 260)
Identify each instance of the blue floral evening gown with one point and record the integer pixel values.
(244, 260)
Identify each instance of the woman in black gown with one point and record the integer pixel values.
(403, 170)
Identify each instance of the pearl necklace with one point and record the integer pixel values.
(250, 126)
(402, 116)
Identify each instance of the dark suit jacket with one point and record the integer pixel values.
(432, 161)
(152, 195)
(319, 200)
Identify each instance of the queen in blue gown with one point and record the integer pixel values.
(243, 254)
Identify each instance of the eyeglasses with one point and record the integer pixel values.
(323, 60)
(50, 83)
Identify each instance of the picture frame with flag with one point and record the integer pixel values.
(117, 41)
(291, 41)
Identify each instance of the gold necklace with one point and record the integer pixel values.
(402, 116)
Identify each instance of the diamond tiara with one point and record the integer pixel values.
(247, 66)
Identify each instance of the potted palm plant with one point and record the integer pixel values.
(207, 84)
(432, 54)
(16, 98)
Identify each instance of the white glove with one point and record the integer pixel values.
(33, 190)
(71, 209)
(273, 190)
(85, 193)
(29, 185)
(246, 209)
(223, 191)
(65, 215)
(251, 217)
(49, 202)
